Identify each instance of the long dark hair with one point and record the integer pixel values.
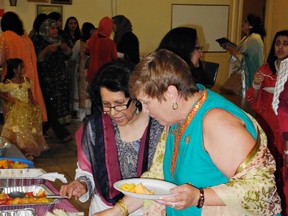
(256, 25)
(86, 29)
(77, 33)
(11, 21)
(40, 18)
(272, 57)
(182, 41)
(11, 65)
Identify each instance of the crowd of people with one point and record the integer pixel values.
(150, 118)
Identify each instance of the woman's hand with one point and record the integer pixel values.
(232, 50)
(51, 48)
(75, 188)
(65, 48)
(184, 196)
(258, 78)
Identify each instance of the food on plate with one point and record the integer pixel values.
(133, 188)
(62, 212)
(30, 198)
(10, 164)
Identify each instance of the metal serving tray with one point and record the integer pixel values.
(18, 212)
(21, 173)
(21, 177)
(34, 189)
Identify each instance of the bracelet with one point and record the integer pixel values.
(121, 204)
(256, 86)
(201, 198)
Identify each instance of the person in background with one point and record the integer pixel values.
(23, 122)
(126, 41)
(215, 153)
(260, 96)
(101, 48)
(81, 99)
(72, 30)
(280, 108)
(58, 18)
(34, 33)
(248, 55)
(15, 43)
(117, 143)
(52, 55)
(184, 42)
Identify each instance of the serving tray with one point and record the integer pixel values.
(20, 160)
(33, 188)
(18, 212)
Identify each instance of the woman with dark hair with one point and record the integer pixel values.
(280, 107)
(72, 30)
(260, 96)
(34, 34)
(248, 55)
(117, 143)
(126, 41)
(15, 43)
(81, 100)
(23, 123)
(184, 42)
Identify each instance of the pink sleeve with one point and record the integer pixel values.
(83, 162)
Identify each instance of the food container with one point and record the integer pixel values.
(18, 212)
(21, 177)
(15, 163)
(4, 145)
(39, 207)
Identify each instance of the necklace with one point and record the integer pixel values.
(181, 129)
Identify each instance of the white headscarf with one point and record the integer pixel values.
(279, 86)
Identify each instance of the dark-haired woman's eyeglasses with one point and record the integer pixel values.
(118, 107)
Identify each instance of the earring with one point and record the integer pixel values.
(105, 113)
(175, 106)
(138, 105)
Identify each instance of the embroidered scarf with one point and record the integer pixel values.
(102, 155)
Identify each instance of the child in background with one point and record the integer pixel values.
(22, 116)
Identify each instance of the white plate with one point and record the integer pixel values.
(269, 89)
(161, 188)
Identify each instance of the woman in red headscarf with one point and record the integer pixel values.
(101, 48)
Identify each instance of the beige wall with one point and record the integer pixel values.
(151, 20)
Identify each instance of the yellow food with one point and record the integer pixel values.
(9, 164)
(139, 188)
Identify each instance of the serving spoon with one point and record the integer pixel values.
(19, 194)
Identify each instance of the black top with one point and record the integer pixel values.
(129, 46)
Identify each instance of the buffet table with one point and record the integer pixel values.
(64, 204)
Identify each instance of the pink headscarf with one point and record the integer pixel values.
(105, 26)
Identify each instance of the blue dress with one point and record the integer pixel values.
(194, 164)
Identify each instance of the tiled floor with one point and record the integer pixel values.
(62, 158)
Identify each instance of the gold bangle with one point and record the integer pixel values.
(121, 204)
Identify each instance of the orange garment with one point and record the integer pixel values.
(14, 46)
